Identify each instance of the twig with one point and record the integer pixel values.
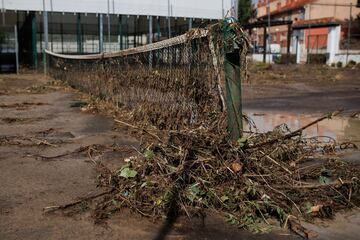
(318, 185)
(132, 206)
(44, 142)
(273, 160)
(296, 206)
(78, 150)
(300, 230)
(145, 131)
(138, 128)
(54, 208)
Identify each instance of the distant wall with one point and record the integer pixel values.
(258, 57)
(341, 57)
(208, 9)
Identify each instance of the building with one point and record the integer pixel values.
(311, 20)
(92, 26)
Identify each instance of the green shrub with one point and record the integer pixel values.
(351, 64)
(339, 64)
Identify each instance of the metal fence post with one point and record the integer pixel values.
(349, 35)
(158, 30)
(269, 26)
(78, 34)
(3, 12)
(169, 19)
(62, 34)
(121, 33)
(34, 40)
(308, 60)
(109, 26)
(265, 45)
(46, 37)
(101, 33)
(16, 49)
(233, 85)
(150, 40)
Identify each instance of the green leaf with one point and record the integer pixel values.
(158, 202)
(224, 198)
(114, 202)
(194, 192)
(242, 141)
(324, 180)
(195, 189)
(148, 153)
(127, 172)
(191, 197)
(232, 219)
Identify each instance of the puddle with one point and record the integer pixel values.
(339, 128)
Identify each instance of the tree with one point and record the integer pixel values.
(245, 11)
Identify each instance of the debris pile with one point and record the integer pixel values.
(277, 174)
(173, 92)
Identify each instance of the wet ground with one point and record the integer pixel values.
(37, 125)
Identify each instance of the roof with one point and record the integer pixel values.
(293, 5)
(265, 23)
(315, 23)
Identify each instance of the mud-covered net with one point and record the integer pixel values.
(169, 84)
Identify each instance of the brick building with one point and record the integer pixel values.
(313, 17)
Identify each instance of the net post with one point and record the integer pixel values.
(233, 83)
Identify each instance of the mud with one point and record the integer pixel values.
(28, 184)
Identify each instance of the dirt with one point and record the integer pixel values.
(29, 183)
